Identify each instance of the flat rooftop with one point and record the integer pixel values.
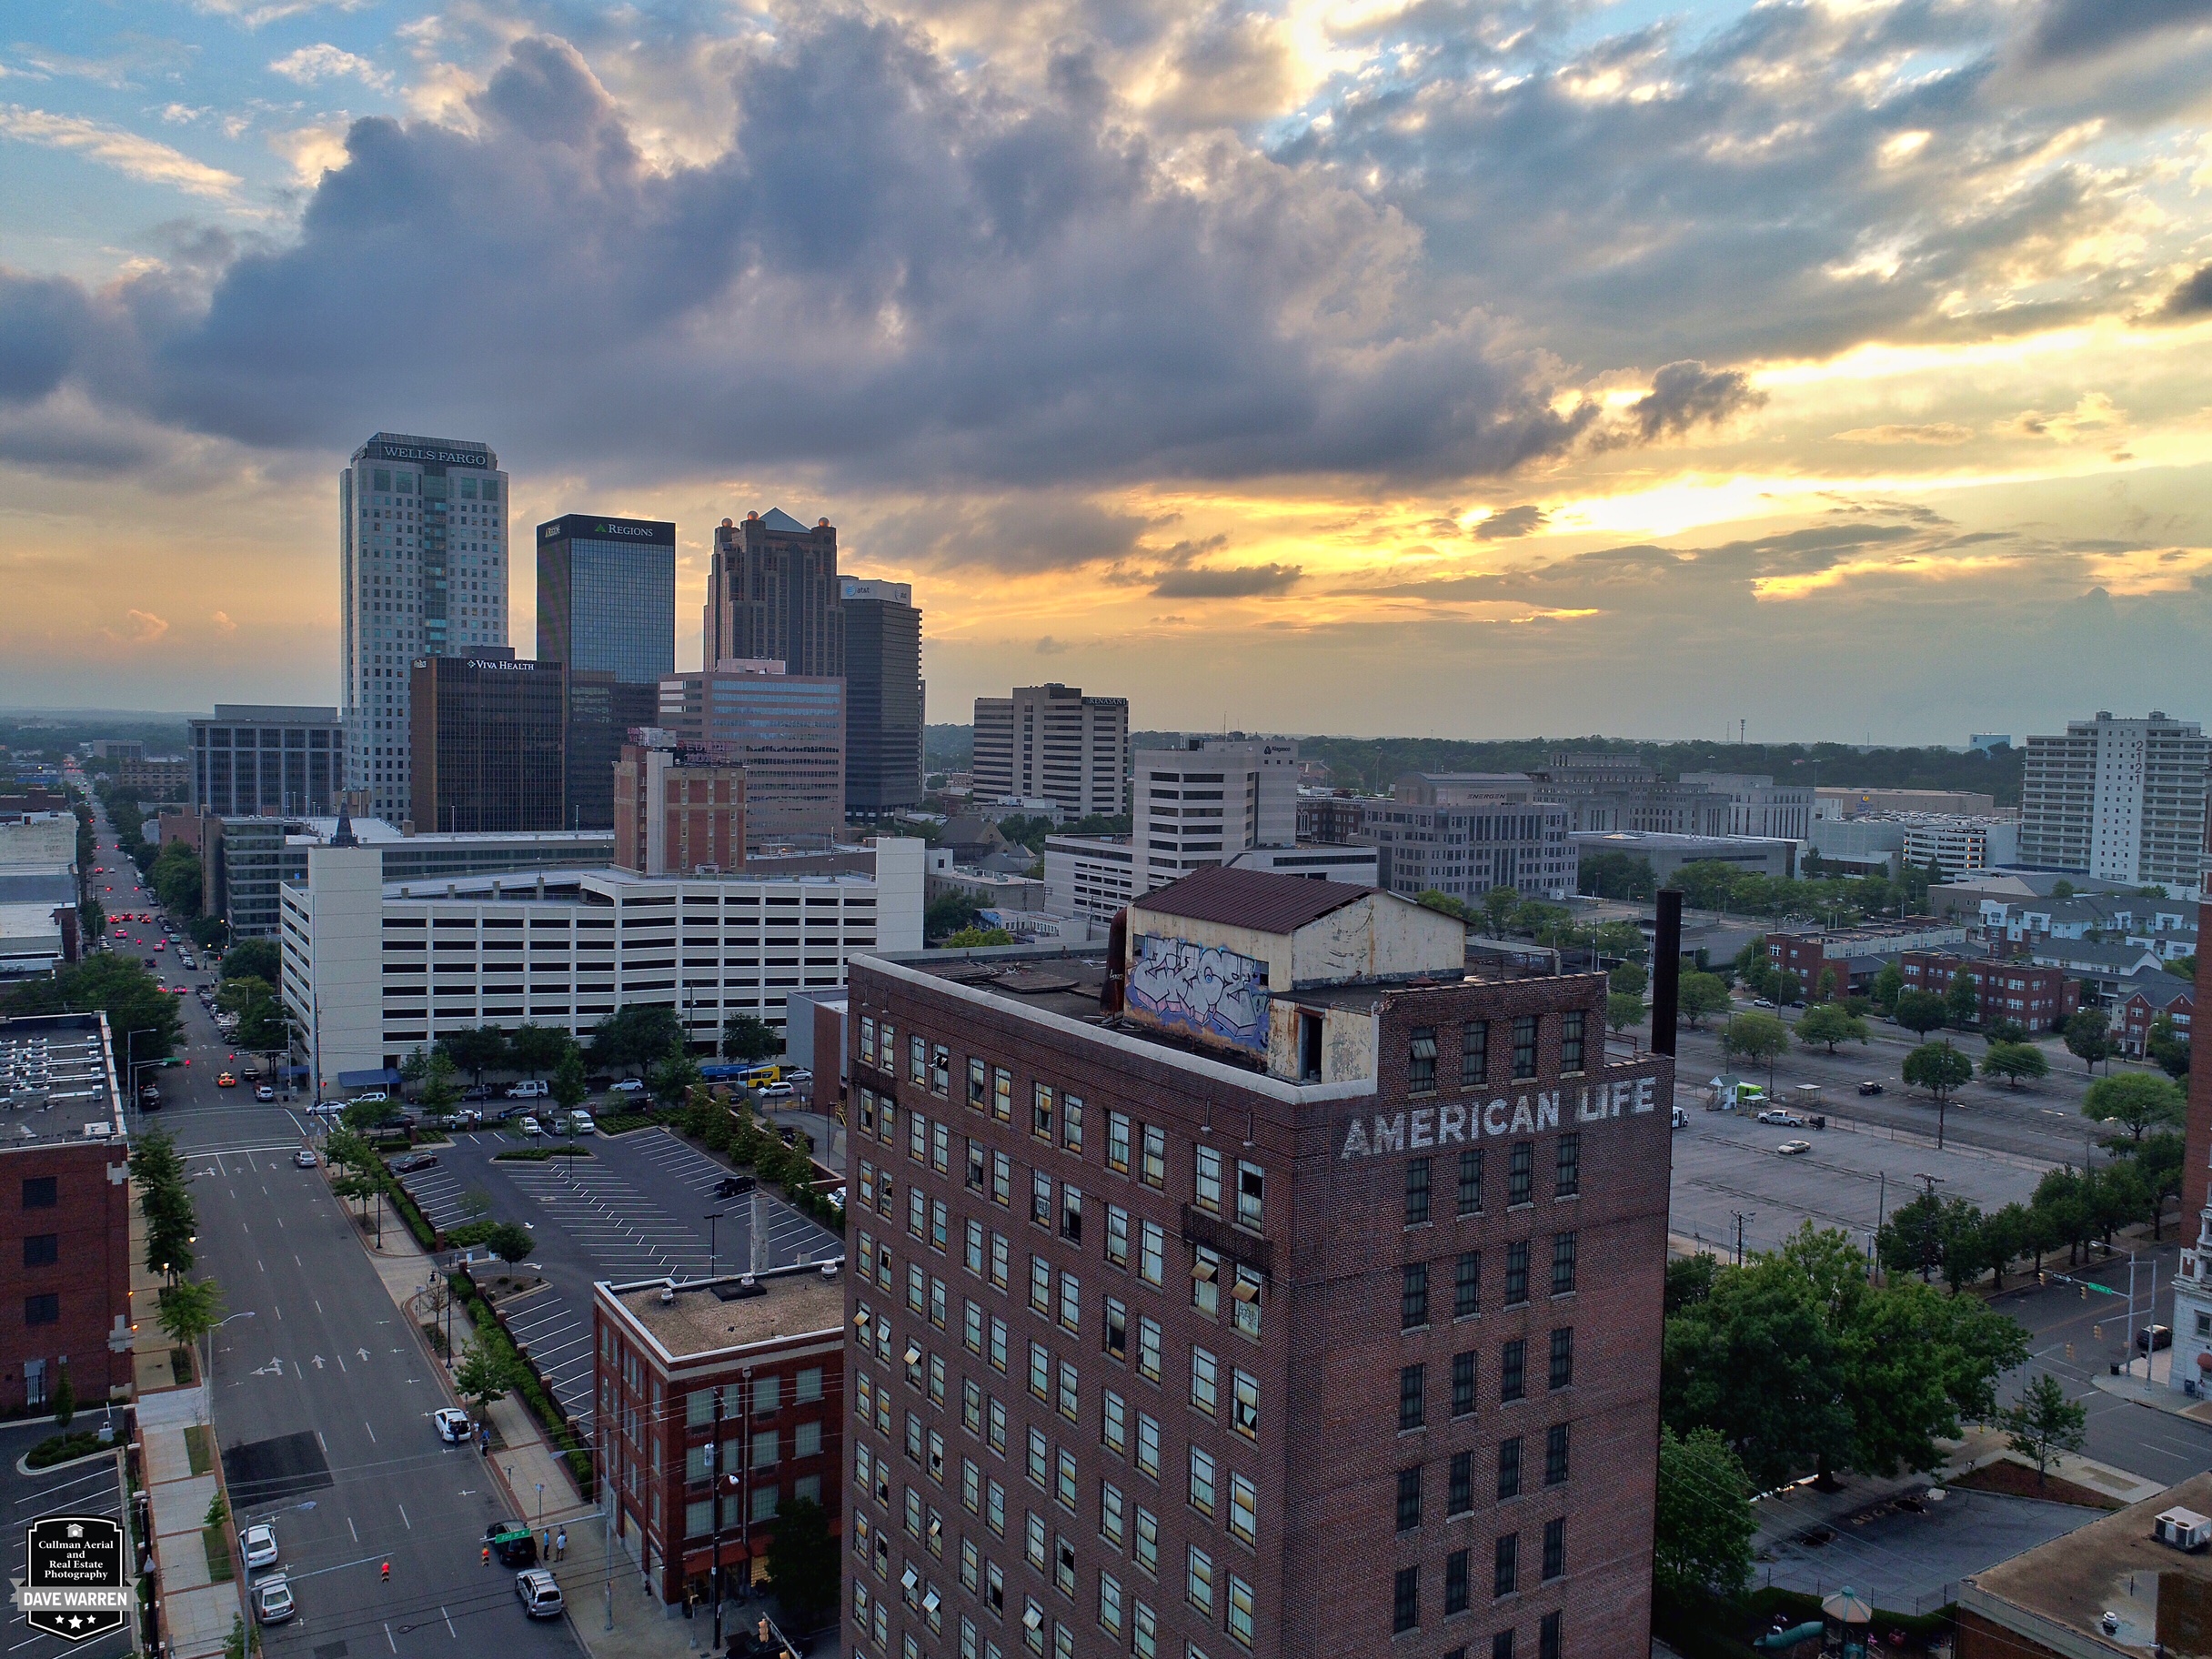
(2073, 1581)
(568, 886)
(704, 1316)
(55, 1080)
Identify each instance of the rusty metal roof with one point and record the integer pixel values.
(1250, 898)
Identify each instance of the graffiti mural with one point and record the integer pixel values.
(1203, 988)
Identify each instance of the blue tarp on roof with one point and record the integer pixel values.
(383, 1078)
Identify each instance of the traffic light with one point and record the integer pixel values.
(2069, 1351)
(2096, 1333)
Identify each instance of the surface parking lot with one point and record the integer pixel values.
(637, 1208)
(89, 1488)
(1724, 1163)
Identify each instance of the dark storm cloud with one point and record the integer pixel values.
(2083, 28)
(1522, 520)
(1685, 394)
(2193, 296)
(888, 274)
(43, 321)
(1234, 582)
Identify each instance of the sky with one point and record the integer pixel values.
(1468, 367)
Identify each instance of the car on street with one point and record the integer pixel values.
(513, 1544)
(327, 1108)
(413, 1161)
(1761, 1003)
(273, 1603)
(2153, 1337)
(530, 1089)
(628, 1085)
(149, 1096)
(1790, 1148)
(374, 1097)
(259, 1542)
(264, 1092)
(1781, 1119)
(799, 1074)
(1871, 1087)
(733, 1186)
(540, 1596)
(529, 1125)
(304, 1158)
(453, 1425)
(777, 1091)
(477, 1093)
(229, 1079)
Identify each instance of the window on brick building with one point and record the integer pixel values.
(40, 1193)
(42, 1310)
(1412, 1396)
(1562, 1371)
(1467, 1285)
(1413, 1296)
(1562, 1263)
(1475, 1054)
(1455, 1583)
(1567, 1169)
(1463, 1384)
(42, 1249)
(1459, 1498)
(1548, 1637)
(1408, 1498)
(1471, 1181)
(1516, 1273)
(1505, 1578)
(1509, 1468)
(1420, 1061)
(1525, 1046)
(1417, 1191)
(1513, 1370)
(1520, 1174)
(1554, 1549)
(1405, 1602)
(1555, 1456)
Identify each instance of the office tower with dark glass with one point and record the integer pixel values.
(251, 759)
(602, 713)
(787, 731)
(772, 596)
(606, 596)
(884, 696)
(487, 740)
(422, 571)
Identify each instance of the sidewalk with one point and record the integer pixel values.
(2158, 1392)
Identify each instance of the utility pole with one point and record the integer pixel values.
(1741, 1217)
(711, 1222)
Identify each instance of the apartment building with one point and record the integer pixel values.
(2041, 998)
(1054, 742)
(2119, 799)
(679, 808)
(1854, 955)
(1273, 1287)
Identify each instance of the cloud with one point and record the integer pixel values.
(324, 62)
(1050, 646)
(1232, 582)
(1508, 522)
(223, 623)
(144, 628)
(1940, 433)
(2093, 415)
(2192, 295)
(254, 14)
(137, 158)
(1688, 394)
(2085, 28)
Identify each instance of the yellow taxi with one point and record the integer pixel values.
(227, 1081)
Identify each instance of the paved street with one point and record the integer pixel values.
(322, 1400)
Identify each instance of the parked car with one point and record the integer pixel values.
(1790, 1148)
(1871, 1087)
(530, 1089)
(628, 1085)
(1781, 1117)
(1682, 1118)
(734, 1186)
(478, 1093)
(529, 1125)
(513, 1544)
(327, 1108)
(259, 1542)
(453, 1425)
(273, 1603)
(540, 1596)
(371, 1098)
(304, 1158)
(777, 1091)
(1761, 1003)
(264, 1092)
(413, 1161)
(2154, 1337)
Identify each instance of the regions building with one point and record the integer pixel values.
(487, 740)
(65, 1245)
(1053, 742)
(249, 859)
(372, 968)
(787, 731)
(422, 572)
(606, 596)
(2041, 998)
(1275, 1285)
(275, 760)
(884, 696)
(2120, 799)
(728, 1389)
(773, 595)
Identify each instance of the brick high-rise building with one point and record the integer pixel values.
(1278, 1286)
(679, 808)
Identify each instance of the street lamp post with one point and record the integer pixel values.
(711, 1222)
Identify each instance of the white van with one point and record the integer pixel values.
(1682, 1118)
(530, 1089)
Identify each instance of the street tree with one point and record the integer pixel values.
(1921, 1011)
(2044, 1422)
(2014, 1062)
(804, 1565)
(1830, 1023)
(1888, 986)
(441, 1087)
(1938, 1068)
(476, 1050)
(2167, 1048)
(570, 1086)
(188, 1309)
(634, 1036)
(1701, 994)
(2137, 1101)
(2089, 1038)
(1962, 1003)
(64, 1398)
(535, 1050)
(142, 1015)
(673, 1076)
(1704, 1526)
(486, 1372)
(1629, 979)
(2003, 1028)
(1498, 906)
(1757, 1038)
(1444, 904)
(512, 1241)
(748, 1039)
(1623, 1011)
(254, 958)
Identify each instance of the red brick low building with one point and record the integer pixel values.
(66, 1197)
(2041, 998)
(2138, 1010)
(761, 1360)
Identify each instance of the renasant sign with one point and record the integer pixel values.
(1526, 1114)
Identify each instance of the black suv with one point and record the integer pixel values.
(513, 1544)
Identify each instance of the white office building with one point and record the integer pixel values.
(1053, 741)
(2119, 799)
(423, 566)
(1759, 806)
(372, 968)
(1209, 800)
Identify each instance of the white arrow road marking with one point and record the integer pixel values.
(274, 1368)
(318, 1361)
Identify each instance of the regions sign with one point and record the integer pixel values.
(76, 1583)
(1201, 988)
(1461, 1123)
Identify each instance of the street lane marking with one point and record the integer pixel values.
(449, 1630)
(372, 1431)
(410, 1525)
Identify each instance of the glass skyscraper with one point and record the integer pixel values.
(606, 596)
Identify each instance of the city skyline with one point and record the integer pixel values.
(1686, 362)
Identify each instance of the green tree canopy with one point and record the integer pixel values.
(1758, 1038)
(803, 1562)
(254, 959)
(748, 1039)
(1615, 875)
(2137, 1101)
(1962, 1003)
(2044, 1422)
(1938, 1068)
(488, 1370)
(123, 988)
(1623, 1011)
(1829, 1023)
(2015, 1061)
(1702, 994)
(535, 1050)
(975, 938)
(1704, 1526)
(634, 1036)
(2087, 1037)
(1629, 979)
(1921, 1011)
(1435, 900)
(476, 1050)
(2167, 1048)
(947, 913)
(673, 1075)
(570, 1086)
(1888, 986)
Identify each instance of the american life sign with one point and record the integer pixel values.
(1465, 1122)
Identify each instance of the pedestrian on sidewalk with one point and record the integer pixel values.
(560, 1546)
(545, 1547)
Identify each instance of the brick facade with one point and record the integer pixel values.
(74, 1305)
(2041, 998)
(1294, 1507)
(2197, 1156)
